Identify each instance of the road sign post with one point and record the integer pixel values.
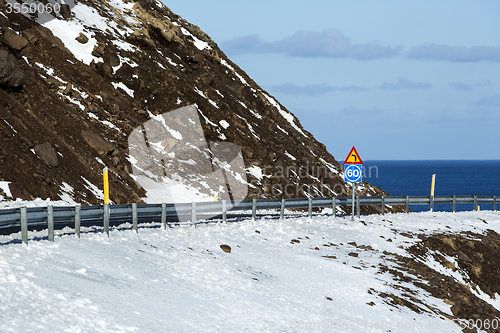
(353, 173)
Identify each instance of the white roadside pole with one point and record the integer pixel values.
(353, 196)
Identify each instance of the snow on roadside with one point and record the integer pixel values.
(179, 280)
(33, 203)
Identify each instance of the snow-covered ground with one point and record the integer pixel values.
(295, 275)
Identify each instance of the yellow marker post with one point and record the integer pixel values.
(106, 185)
(433, 183)
(106, 200)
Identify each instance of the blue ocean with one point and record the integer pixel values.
(453, 177)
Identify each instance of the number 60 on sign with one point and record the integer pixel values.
(352, 173)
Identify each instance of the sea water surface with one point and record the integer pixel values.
(453, 177)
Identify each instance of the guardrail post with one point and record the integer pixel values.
(334, 206)
(382, 205)
(193, 214)
(310, 208)
(494, 203)
(431, 203)
(254, 208)
(106, 218)
(475, 203)
(164, 215)
(224, 211)
(24, 225)
(407, 204)
(358, 206)
(282, 209)
(50, 222)
(134, 217)
(454, 203)
(78, 214)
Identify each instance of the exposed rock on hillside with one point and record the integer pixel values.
(75, 88)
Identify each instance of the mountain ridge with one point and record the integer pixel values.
(87, 79)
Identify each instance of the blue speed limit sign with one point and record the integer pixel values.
(352, 173)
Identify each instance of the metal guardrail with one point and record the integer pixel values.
(38, 218)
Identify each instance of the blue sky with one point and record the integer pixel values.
(397, 79)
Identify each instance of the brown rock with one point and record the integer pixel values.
(53, 81)
(329, 257)
(31, 36)
(111, 58)
(98, 50)
(102, 147)
(104, 69)
(82, 39)
(10, 76)
(106, 96)
(13, 40)
(209, 79)
(68, 89)
(65, 11)
(18, 191)
(48, 35)
(47, 153)
(463, 256)
(226, 248)
(197, 58)
(455, 309)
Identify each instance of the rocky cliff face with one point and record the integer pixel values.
(75, 86)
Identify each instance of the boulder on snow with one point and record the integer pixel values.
(226, 248)
(82, 38)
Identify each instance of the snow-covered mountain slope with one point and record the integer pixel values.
(85, 80)
(423, 272)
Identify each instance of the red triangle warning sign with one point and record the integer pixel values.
(353, 157)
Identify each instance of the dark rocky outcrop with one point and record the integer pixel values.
(10, 76)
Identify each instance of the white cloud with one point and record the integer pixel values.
(310, 44)
(455, 53)
(313, 89)
(461, 86)
(405, 84)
